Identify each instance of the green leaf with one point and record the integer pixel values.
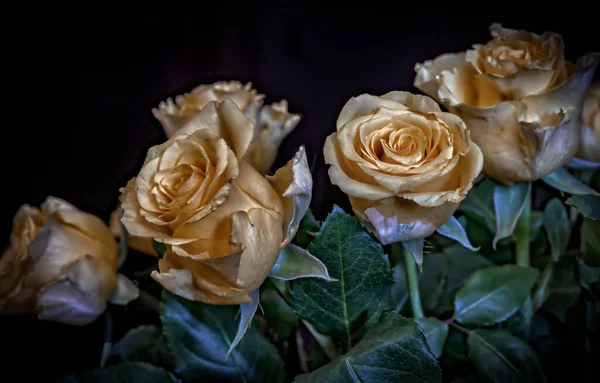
(308, 229)
(455, 361)
(502, 357)
(537, 221)
(590, 242)
(579, 164)
(294, 262)
(394, 350)
(509, 202)
(492, 295)
(481, 237)
(122, 373)
(344, 308)
(415, 247)
(587, 274)
(200, 336)
(479, 204)
(247, 311)
(435, 332)
(454, 230)
(564, 290)
(587, 205)
(564, 181)
(432, 280)
(144, 344)
(558, 227)
(542, 290)
(460, 263)
(125, 292)
(280, 316)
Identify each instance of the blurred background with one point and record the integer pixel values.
(129, 61)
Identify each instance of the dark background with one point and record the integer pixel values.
(129, 61)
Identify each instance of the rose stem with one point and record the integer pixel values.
(413, 282)
(522, 246)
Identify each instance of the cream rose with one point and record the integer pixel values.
(519, 97)
(61, 264)
(590, 130)
(272, 123)
(404, 163)
(222, 221)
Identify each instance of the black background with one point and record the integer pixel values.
(130, 60)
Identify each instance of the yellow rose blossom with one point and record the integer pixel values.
(272, 123)
(404, 163)
(222, 221)
(60, 264)
(519, 97)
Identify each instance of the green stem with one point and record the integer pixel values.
(412, 279)
(522, 247)
(523, 234)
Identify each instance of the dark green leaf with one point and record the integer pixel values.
(435, 332)
(587, 274)
(415, 248)
(537, 221)
(558, 227)
(501, 357)
(479, 204)
(308, 229)
(144, 344)
(123, 373)
(432, 280)
(344, 308)
(563, 290)
(492, 295)
(280, 316)
(587, 205)
(590, 242)
(200, 335)
(295, 262)
(542, 289)
(564, 181)
(580, 164)
(460, 263)
(394, 350)
(453, 229)
(509, 202)
(481, 237)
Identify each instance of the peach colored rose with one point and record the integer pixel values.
(519, 97)
(272, 123)
(60, 264)
(404, 163)
(222, 221)
(590, 130)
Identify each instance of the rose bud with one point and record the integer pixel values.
(272, 123)
(519, 97)
(590, 129)
(404, 163)
(222, 221)
(61, 264)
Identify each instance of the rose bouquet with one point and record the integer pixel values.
(473, 233)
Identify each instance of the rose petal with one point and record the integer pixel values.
(365, 105)
(79, 297)
(415, 102)
(259, 233)
(275, 123)
(143, 245)
(427, 72)
(351, 181)
(397, 219)
(293, 183)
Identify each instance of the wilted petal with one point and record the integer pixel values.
(398, 219)
(80, 296)
(197, 281)
(259, 233)
(293, 183)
